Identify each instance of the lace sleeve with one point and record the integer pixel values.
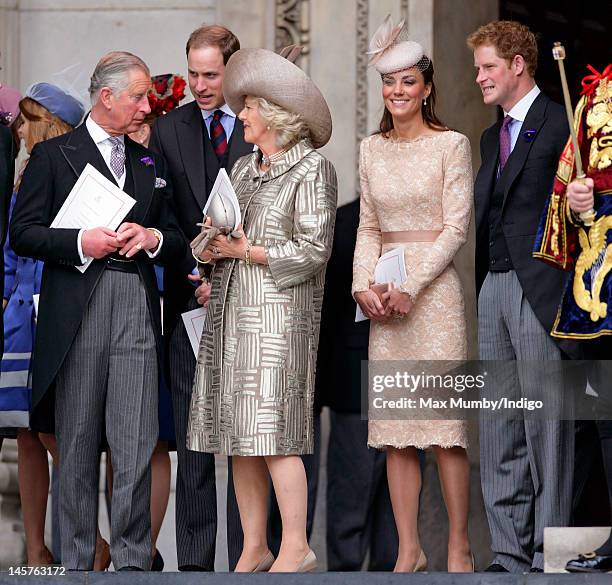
(457, 196)
(367, 248)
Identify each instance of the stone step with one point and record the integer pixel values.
(135, 578)
(563, 544)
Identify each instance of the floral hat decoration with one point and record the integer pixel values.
(166, 93)
(391, 51)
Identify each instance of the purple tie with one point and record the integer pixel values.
(505, 145)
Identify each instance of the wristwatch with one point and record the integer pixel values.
(157, 234)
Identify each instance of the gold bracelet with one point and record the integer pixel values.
(197, 259)
(247, 254)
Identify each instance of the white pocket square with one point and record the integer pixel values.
(159, 183)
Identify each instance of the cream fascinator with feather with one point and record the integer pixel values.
(391, 51)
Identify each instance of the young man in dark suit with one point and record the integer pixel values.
(98, 339)
(197, 140)
(526, 464)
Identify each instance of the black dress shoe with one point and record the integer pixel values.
(590, 563)
(496, 568)
(130, 568)
(536, 570)
(158, 562)
(192, 568)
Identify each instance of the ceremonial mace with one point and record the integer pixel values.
(587, 217)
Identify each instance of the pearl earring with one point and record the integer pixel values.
(268, 128)
(424, 101)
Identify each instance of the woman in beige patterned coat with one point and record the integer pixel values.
(416, 191)
(254, 382)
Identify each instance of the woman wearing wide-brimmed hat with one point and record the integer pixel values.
(253, 389)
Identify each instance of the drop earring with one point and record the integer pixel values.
(424, 101)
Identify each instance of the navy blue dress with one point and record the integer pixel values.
(22, 282)
(165, 412)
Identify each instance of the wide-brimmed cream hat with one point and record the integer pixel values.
(263, 73)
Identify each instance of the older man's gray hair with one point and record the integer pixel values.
(112, 71)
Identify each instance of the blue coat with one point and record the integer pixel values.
(22, 281)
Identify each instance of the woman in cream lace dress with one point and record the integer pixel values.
(416, 182)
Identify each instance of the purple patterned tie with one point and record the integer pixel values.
(117, 159)
(505, 144)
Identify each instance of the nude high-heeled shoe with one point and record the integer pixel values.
(472, 569)
(264, 565)
(421, 563)
(308, 564)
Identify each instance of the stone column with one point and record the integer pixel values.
(460, 105)
(9, 41)
(459, 98)
(252, 21)
(12, 538)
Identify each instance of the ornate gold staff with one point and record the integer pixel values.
(587, 217)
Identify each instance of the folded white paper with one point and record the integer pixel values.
(222, 204)
(389, 268)
(94, 201)
(194, 324)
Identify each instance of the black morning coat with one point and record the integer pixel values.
(343, 344)
(525, 182)
(52, 171)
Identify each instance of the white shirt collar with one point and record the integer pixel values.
(97, 133)
(224, 108)
(520, 109)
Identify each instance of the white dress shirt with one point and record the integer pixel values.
(519, 112)
(101, 140)
(228, 121)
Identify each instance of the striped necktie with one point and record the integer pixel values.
(217, 135)
(505, 143)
